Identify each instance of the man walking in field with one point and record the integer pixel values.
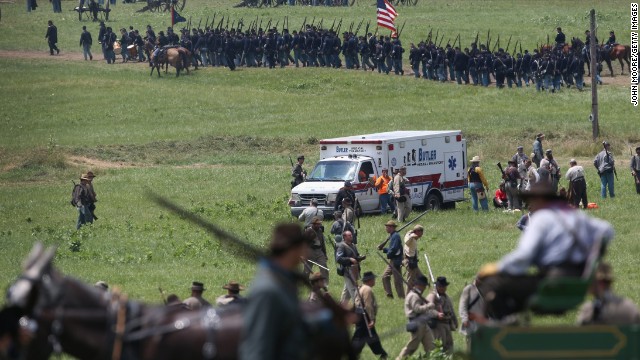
(411, 255)
(52, 38)
(85, 42)
(446, 318)
(394, 254)
(318, 251)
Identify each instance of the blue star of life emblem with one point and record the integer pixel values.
(452, 163)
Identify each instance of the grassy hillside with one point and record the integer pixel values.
(217, 142)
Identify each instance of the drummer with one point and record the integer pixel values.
(139, 43)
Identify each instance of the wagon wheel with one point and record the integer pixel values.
(164, 6)
(352, 2)
(179, 4)
(153, 5)
(413, 2)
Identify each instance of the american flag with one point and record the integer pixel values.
(386, 15)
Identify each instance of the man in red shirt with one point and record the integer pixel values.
(500, 200)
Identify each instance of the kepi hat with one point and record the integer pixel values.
(391, 223)
(422, 280)
(197, 286)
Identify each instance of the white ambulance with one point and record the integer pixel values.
(435, 161)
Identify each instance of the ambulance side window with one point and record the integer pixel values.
(366, 169)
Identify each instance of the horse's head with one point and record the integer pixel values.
(36, 284)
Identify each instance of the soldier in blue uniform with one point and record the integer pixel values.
(414, 60)
(561, 39)
(52, 38)
(396, 55)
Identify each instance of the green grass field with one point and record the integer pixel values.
(217, 142)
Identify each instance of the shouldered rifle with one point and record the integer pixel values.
(501, 170)
(200, 23)
(508, 43)
(359, 296)
(613, 166)
(488, 38)
(476, 40)
(303, 24)
(227, 26)
(496, 44)
(382, 244)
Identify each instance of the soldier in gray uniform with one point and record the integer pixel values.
(605, 164)
(635, 169)
(318, 251)
(549, 167)
(233, 294)
(309, 213)
(606, 307)
(418, 310)
(196, 301)
(446, 317)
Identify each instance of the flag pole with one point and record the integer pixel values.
(172, 17)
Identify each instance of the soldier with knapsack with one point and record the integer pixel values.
(83, 198)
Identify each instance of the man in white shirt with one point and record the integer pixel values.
(577, 184)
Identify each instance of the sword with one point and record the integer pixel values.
(315, 263)
(433, 280)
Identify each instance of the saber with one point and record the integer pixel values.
(433, 280)
(315, 263)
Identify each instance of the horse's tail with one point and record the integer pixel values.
(627, 53)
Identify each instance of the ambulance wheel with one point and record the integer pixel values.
(433, 202)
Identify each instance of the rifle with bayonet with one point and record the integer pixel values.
(206, 23)
(339, 26)
(303, 24)
(488, 38)
(382, 244)
(496, 44)
(508, 43)
(199, 23)
(227, 26)
(476, 40)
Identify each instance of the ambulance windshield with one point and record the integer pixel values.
(333, 171)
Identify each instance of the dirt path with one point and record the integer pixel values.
(91, 163)
(618, 80)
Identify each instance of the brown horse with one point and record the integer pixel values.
(620, 52)
(178, 57)
(87, 323)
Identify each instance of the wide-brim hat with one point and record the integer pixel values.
(442, 281)
(233, 286)
(475, 159)
(197, 286)
(85, 177)
(101, 285)
(418, 228)
(368, 275)
(542, 189)
(316, 220)
(301, 157)
(90, 174)
(391, 223)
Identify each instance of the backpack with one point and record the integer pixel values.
(75, 194)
